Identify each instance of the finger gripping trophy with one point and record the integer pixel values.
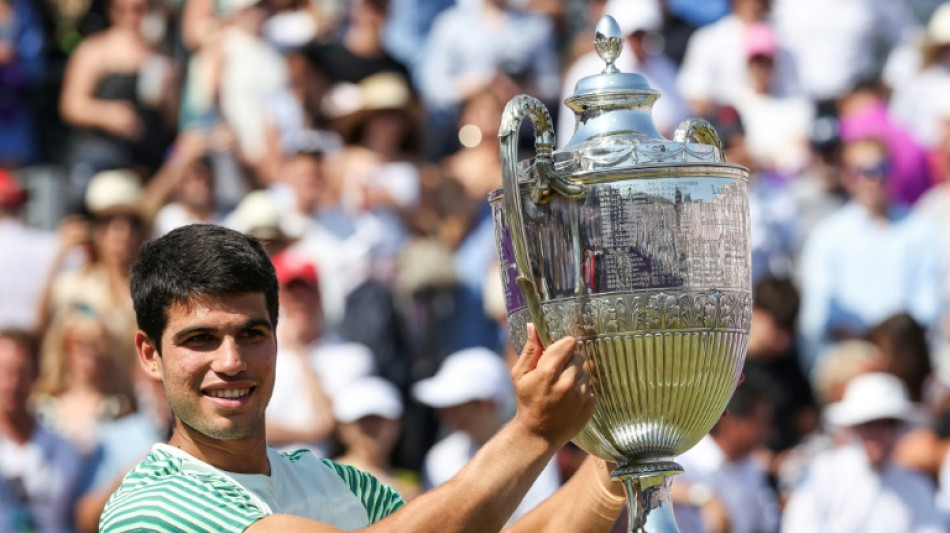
(639, 247)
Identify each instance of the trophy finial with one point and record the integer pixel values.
(607, 41)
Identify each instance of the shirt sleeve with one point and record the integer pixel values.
(379, 499)
(179, 504)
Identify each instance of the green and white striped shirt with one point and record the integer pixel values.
(172, 492)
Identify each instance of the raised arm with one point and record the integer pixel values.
(554, 403)
(589, 502)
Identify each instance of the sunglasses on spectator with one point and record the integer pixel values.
(876, 172)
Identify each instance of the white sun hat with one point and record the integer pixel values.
(870, 397)
(467, 375)
(635, 15)
(367, 396)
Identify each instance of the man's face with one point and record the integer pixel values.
(878, 438)
(217, 364)
(304, 175)
(866, 169)
(17, 375)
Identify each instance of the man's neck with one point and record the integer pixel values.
(241, 456)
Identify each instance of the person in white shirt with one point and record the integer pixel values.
(920, 104)
(312, 366)
(714, 69)
(474, 397)
(867, 261)
(834, 44)
(28, 256)
(857, 487)
(723, 465)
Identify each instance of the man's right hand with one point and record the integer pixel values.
(555, 399)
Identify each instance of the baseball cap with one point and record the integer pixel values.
(12, 194)
(872, 396)
(291, 265)
(467, 375)
(367, 396)
(259, 215)
(759, 40)
(112, 191)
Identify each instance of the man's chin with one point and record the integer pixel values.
(228, 430)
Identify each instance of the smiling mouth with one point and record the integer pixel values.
(229, 394)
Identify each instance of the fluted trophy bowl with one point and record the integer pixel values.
(638, 246)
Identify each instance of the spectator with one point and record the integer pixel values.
(473, 395)
(117, 94)
(39, 470)
(407, 26)
(834, 44)
(232, 78)
(259, 215)
(778, 149)
(857, 486)
(863, 113)
(368, 414)
(903, 345)
(725, 463)
(82, 382)
(121, 443)
(22, 66)
(188, 180)
(311, 200)
(115, 202)
(478, 44)
(359, 52)
(920, 103)
(772, 358)
(313, 363)
(867, 261)
(378, 175)
(714, 70)
(29, 255)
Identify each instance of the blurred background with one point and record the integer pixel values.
(357, 139)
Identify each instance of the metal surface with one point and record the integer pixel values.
(639, 247)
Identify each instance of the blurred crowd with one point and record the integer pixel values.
(357, 140)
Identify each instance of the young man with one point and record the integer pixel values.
(206, 303)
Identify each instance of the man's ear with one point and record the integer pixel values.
(149, 357)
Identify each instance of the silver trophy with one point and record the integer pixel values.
(639, 247)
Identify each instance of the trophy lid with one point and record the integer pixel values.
(612, 92)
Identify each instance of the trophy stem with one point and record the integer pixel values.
(648, 496)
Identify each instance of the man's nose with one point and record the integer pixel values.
(229, 360)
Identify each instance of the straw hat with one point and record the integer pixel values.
(114, 191)
(938, 29)
(348, 105)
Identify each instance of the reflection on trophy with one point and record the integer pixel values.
(639, 247)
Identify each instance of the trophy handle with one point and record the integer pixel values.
(546, 182)
(699, 130)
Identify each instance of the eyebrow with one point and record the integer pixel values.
(250, 324)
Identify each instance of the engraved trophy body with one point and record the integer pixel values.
(639, 247)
